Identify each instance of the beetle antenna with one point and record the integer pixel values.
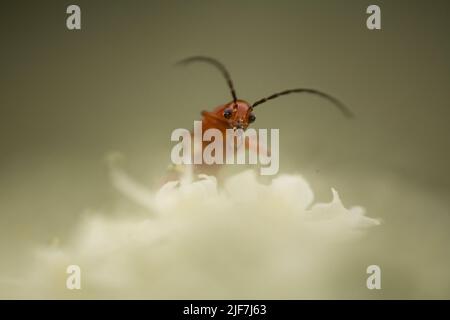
(332, 99)
(218, 65)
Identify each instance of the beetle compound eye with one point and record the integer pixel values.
(227, 113)
(251, 118)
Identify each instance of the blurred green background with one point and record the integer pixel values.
(70, 97)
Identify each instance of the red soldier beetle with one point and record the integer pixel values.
(239, 114)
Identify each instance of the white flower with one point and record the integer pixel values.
(245, 239)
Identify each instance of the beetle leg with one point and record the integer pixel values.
(259, 148)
